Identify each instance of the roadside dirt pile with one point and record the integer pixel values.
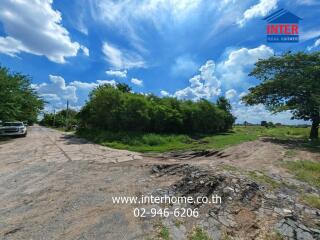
(248, 210)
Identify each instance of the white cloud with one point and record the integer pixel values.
(234, 70)
(304, 36)
(91, 85)
(10, 46)
(50, 97)
(184, 65)
(59, 87)
(57, 91)
(122, 59)
(85, 50)
(123, 14)
(259, 10)
(232, 73)
(117, 73)
(137, 82)
(164, 93)
(257, 113)
(315, 45)
(32, 26)
(204, 85)
(242, 94)
(231, 93)
(110, 82)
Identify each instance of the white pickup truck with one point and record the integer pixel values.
(13, 129)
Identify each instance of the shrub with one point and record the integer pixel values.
(113, 109)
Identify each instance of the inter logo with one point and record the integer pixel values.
(283, 26)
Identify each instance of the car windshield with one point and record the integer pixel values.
(13, 124)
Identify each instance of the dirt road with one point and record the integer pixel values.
(56, 186)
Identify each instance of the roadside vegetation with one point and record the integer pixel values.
(306, 171)
(151, 142)
(18, 100)
(199, 234)
(312, 200)
(117, 118)
(117, 109)
(62, 120)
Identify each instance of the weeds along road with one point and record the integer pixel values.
(55, 186)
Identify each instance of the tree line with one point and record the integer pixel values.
(18, 100)
(66, 118)
(116, 108)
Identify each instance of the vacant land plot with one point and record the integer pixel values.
(150, 142)
(57, 186)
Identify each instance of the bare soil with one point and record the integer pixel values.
(56, 186)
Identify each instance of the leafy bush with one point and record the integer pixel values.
(60, 119)
(117, 109)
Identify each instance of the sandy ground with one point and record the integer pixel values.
(56, 186)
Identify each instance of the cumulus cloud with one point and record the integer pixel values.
(110, 82)
(137, 82)
(57, 92)
(235, 68)
(58, 86)
(203, 85)
(231, 72)
(117, 73)
(122, 59)
(259, 10)
(164, 93)
(231, 93)
(33, 26)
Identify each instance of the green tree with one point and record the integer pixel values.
(60, 118)
(123, 87)
(224, 104)
(18, 100)
(290, 82)
(115, 109)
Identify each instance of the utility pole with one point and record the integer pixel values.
(67, 114)
(54, 117)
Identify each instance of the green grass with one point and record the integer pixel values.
(265, 180)
(306, 171)
(312, 200)
(290, 153)
(164, 233)
(273, 236)
(150, 142)
(199, 234)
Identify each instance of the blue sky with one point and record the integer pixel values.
(189, 49)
